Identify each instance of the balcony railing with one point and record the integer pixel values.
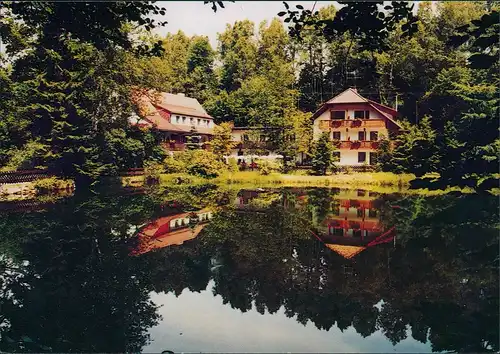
(182, 146)
(354, 145)
(174, 146)
(256, 145)
(351, 123)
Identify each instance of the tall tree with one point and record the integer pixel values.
(72, 89)
(238, 54)
(322, 155)
(201, 80)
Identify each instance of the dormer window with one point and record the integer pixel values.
(199, 121)
(183, 120)
(191, 121)
(361, 114)
(177, 119)
(337, 115)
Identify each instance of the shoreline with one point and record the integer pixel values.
(381, 182)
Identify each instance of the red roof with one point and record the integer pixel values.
(157, 109)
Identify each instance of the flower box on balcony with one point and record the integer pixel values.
(336, 123)
(356, 123)
(356, 144)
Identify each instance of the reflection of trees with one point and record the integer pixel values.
(79, 291)
(441, 283)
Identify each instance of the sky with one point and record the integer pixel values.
(194, 17)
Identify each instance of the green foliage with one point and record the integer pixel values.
(232, 165)
(153, 169)
(414, 150)
(25, 157)
(267, 166)
(222, 141)
(173, 164)
(200, 163)
(384, 154)
(322, 155)
(369, 23)
(51, 184)
(71, 95)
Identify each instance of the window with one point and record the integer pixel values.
(356, 233)
(199, 121)
(361, 136)
(336, 135)
(362, 114)
(337, 115)
(359, 212)
(361, 156)
(191, 120)
(183, 120)
(361, 193)
(336, 156)
(372, 213)
(374, 136)
(245, 137)
(177, 120)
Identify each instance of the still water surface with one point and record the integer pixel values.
(210, 269)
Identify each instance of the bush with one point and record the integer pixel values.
(152, 171)
(51, 184)
(233, 165)
(266, 166)
(204, 163)
(175, 165)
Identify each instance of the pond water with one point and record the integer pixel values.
(217, 269)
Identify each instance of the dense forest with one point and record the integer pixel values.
(66, 87)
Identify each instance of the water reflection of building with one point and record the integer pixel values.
(353, 224)
(171, 230)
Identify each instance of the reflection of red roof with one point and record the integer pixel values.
(159, 233)
(346, 251)
(176, 237)
(349, 251)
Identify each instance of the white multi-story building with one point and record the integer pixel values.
(355, 125)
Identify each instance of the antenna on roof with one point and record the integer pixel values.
(352, 75)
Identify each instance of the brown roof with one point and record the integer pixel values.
(348, 96)
(181, 104)
(152, 105)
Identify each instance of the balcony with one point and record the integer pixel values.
(253, 145)
(351, 123)
(174, 146)
(354, 145)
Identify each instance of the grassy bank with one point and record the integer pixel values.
(353, 179)
(382, 182)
